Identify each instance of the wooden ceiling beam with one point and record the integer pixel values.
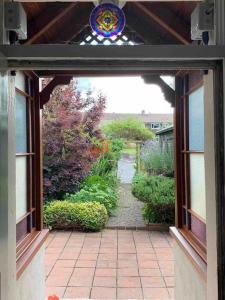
(184, 40)
(73, 25)
(42, 29)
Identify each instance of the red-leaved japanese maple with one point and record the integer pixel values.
(70, 126)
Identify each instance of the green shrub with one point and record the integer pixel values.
(90, 216)
(159, 194)
(107, 197)
(129, 129)
(109, 180)
(95, 180)
(117, 145)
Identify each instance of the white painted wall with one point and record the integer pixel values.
(31, 284)
(189, 284)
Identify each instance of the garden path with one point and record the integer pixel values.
(128, 213)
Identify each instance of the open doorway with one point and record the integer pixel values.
(134, 263)
(125, 260)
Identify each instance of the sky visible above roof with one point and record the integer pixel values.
(128, 94)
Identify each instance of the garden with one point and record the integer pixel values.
(155, 184)
(81, 159)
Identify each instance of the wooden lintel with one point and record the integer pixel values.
(46, 92)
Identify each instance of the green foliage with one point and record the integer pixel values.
(159, 194)
(88, 216)
(117, 145)
(129, 129)
(157, 161)
(106, 196)
(95, 180)
(105, 164)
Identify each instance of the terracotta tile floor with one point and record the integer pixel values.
(113, 264)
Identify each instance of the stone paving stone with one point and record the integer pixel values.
(128, 213)
(103, 265)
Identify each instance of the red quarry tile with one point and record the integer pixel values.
(105, 272)
(58, 280)
(103, 293)
(148, 264)
(127, 250)
(69, 254)
(106, 264)
(127, 264)
(107, 256)
(83, 271)
(109, 281)
(164, 256)
(54, 290)
(51, 250)
(156, 294)
(85, 263)
(59, 271)
(149, 272)
(127, 272)
(167, 272)
(131, 282)
(77, 292)
(88, 250)
(81, 280)
(171, 293)
(65, 263)
(108, 250)
(86, 256)
(129, 293)
(145, 250)
(146, 256)
(170, 282)
(127, 256)
(152, 282)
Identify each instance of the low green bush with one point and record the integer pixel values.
(158, 193)
(103, 182)
(95, 180)
(87, 216)
(108, 197)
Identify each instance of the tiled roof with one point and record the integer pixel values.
(146, 118)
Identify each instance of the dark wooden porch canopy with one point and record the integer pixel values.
(147, 23)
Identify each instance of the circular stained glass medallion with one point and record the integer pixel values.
(107, 20)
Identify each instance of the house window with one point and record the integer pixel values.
(25, 159)
(155, 125)
(192, 197)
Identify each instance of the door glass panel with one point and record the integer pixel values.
(20, 81)
(21, 124)
(196, 120)
(21, 186)
(197, 184)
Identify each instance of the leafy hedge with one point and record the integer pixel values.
(159, 194)
(106, 196)
(87, 216)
